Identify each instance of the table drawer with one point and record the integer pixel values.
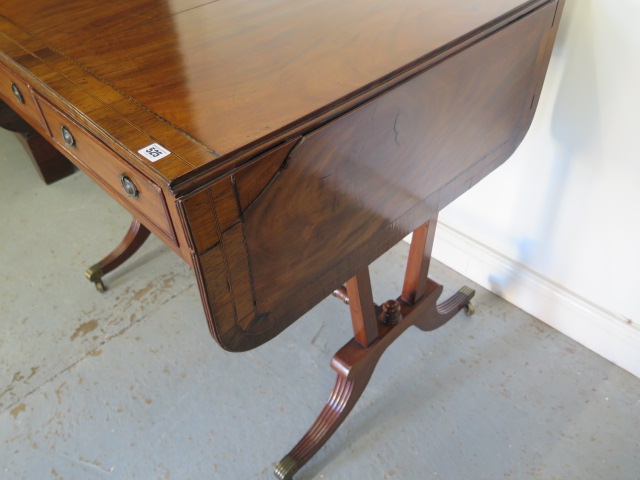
(17, 94)
(131, 188)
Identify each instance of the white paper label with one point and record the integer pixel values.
(154, 152)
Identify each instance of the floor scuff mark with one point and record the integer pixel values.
(18, 410)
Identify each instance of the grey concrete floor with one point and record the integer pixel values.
(129, 384)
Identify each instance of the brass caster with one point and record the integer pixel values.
(469, 309)
(101, 287)
(94, 274)
(286, 468)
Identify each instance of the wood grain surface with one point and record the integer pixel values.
(226, 75)
(304, 138)
(350, 190)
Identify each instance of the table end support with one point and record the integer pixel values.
(354, 364)
(375, 329)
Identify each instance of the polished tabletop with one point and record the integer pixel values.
(227, 75)
(302, 139)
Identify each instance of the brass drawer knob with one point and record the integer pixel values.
(17, 93)
(67, 138)
(129, 187)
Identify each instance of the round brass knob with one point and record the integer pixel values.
(129, 187)
(16, 91)
(67, 138)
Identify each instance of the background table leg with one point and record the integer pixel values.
(129, 245)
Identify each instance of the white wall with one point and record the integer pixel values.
(555, 230)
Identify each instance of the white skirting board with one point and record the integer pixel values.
(601, 331)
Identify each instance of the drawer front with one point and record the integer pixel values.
(17, 94)
(131, 188)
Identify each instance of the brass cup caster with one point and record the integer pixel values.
(100, 286)
(286, 468)
(469, 309)
(94, 274)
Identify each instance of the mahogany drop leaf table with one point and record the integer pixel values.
(279, 147)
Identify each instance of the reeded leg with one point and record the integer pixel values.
(375, 328)
(346, 392)
(353, 371)
(129, 245)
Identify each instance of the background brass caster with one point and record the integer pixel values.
(469, 309)
(286, 468)
(100, 286)
(94, 274)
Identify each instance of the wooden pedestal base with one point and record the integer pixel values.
(375, 328)
(129, 245)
